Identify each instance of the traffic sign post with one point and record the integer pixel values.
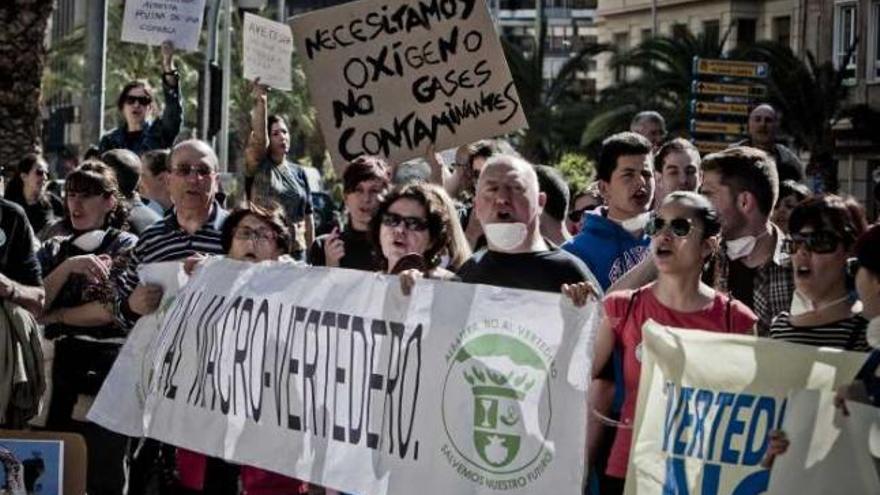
(730, 68)
(711, 146)
(720, 89)
(711, 108)
(710, 127)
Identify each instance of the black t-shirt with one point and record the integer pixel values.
(44, 212)
(132, 139)
(741, 282)
(359, 254)
(544, 271)
(18, 259)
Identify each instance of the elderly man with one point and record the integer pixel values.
(20, 278)
(763, 126)
(508, 205)
(192, 227)
(650, 124)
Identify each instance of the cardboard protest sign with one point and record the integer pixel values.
(334, 377)
(268, 47)
(707, 402)
(391, 77)
(829, 452)
(152, 22)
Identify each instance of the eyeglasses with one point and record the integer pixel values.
(413, 224)
(259, 235)
(680, 227)
(820, 242)
(143, 100)
(575, 215)
(184, 170)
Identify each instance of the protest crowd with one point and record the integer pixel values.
(731, 242)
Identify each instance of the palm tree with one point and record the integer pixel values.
(663, 70)
(556, 112)
(22, 58)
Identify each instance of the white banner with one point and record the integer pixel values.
(829, 452)
(267, 47)
(707, 402)
(152, 22)
(119, 405)
(334, 377)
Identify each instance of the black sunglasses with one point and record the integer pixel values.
(409, 223)
(820, 242)
(680, 227)
(575, 215)
(143, 100)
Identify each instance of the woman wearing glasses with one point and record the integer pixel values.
(823, 230)
(28, 189)
(136, 104)
(417, 224)
(684, 234)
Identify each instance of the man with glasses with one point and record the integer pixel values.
(508, 205)
(193, 226)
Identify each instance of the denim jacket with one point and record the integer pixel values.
(158, 133)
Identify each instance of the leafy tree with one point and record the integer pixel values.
(578, 170)
(22, 58)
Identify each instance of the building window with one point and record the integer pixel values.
(844, 38)
(782, 30)
(874, 42)
(712, 32)
(621, 44)
(646, 34)
(679, 31)
(746, 30)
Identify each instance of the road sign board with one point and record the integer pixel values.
(731, 68)
(743, 90)
(707, 107)
(711, 146)
(708, 127)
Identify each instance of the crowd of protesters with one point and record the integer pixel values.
(730, 242)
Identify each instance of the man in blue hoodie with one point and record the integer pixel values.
(613, 239)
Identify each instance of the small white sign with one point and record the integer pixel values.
(268, 47)
(152, 22)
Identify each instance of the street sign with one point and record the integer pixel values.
(708, 127)
(730, 68)
(743, 90)
(711, 146)
(712, 108)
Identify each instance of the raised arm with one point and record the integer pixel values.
(171, 121)
(258, 140)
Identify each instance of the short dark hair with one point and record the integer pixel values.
(127, 166)
(364, 168)
(274, 119)
(828, 212)
(120, 102)
(553, 185)
(156, 161)
(703, 210)
(677, 145)
(789, 187)
(743, 168)
(484, 148)
(866, 249)
(620, 144)
(270, 214)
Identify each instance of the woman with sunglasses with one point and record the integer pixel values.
(136, 104)
(28, 189)
(823, 230)
(415, 226)
(684, 234)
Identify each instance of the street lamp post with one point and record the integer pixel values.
(96, 49)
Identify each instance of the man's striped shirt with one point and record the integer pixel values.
(847, 334)
(165, 240)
